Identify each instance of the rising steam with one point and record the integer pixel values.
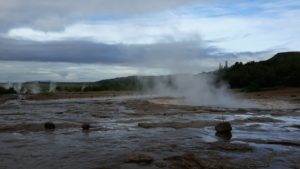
(33, 88)
(198, 90)
(52, 87)
(23, 88)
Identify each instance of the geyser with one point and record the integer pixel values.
(199, 90)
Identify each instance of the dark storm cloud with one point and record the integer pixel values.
(158, 55)
(89, 52)
(60, 51)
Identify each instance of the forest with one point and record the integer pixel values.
(282, 70)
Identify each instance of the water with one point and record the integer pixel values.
(115, 133)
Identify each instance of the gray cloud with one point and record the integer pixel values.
(175, 49)
(49, 14)
(187, 56)
(59, 51)
(90, 52)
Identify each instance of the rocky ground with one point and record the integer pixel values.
(145, 132)
(275, 95)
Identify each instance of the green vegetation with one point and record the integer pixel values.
(7, 91)
(119, 84)
(131, 83)
(281, 70)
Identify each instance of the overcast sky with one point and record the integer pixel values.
(78, 40)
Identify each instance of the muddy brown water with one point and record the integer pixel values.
(133, 132)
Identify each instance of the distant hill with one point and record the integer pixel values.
(130, 83)
(281, 70)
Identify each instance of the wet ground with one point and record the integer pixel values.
(138, 132)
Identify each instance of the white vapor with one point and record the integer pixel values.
(199, 90)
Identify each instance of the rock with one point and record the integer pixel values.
(139, 159)
(224, 136)
(223, 130)
(85, 126)
(49, 126)
(223, 127)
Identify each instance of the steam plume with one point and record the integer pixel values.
(198, 90)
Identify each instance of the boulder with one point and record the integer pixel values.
(224, 136)
(223, 130)
(223, 127)
(85, 126)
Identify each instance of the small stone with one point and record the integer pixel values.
(85, 126)
(49, 126)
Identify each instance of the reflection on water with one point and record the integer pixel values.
(116, 130)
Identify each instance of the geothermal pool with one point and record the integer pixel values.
(139, 132)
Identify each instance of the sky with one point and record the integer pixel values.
(78, 40)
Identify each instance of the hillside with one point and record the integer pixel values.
(130, 83)
(281, 70)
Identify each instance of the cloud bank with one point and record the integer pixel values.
(139, 37)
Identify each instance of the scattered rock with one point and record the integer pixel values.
(49, 126)
(139, 159)
(85, 126)
(223, 127)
